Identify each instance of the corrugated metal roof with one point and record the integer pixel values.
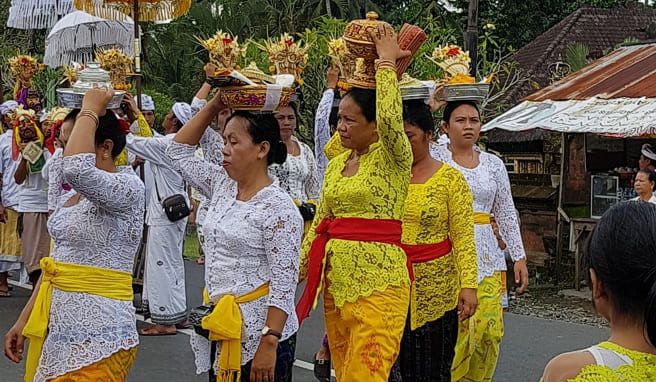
(628, 72)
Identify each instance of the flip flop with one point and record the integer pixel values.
(148, 333)
(183, 325)
(322, 369)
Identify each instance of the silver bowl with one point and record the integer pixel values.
(73, 99)
(465, 92)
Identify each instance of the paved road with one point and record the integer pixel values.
(528, 344)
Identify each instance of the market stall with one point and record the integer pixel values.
(605, 113)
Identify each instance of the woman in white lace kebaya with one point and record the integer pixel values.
(252, 239)
(298, 174)
(80, 319)
(488, 181)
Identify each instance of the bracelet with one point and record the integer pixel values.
(385, 64)
(88, 114)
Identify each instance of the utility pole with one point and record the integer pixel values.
(471, 36)
(329, 11)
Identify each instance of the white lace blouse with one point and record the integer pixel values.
(247, 245)
(102, 230)
(490, 187)
(298, 175)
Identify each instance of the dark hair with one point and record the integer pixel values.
(264, 127)
(72, 115)
(417, 113)
(178, 124)
(452, 106)
(334, 112)
(109, 128)
(621, 252)
(651, 175)
(366, 99)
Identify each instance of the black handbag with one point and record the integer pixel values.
(196, 316)
(307, 211)
(175, 206)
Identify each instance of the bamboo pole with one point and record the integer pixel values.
(137, 52)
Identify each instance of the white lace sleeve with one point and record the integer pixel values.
(113, 193)
(322, 132)
(212, 145)
(199, 173)
(503, 209)
(196, 105)
(55, 179)
(312, 184)
(282, 242)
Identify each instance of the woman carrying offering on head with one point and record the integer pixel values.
(252, 240)
(80, 319)
(623, 280)
(352, 252)
(490, 186)
(438, 237)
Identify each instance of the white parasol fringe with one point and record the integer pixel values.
(74, 44)
(37, 14)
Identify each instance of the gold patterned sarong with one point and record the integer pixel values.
(114, 368)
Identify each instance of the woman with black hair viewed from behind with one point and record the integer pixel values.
(252, 239)
(623, 280)
(80, 319)
(488, 180)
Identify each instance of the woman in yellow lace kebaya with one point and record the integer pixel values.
(438, 236)
(355, 237)
(479, 338)
(623, 279)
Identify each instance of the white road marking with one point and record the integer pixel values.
(298, 363)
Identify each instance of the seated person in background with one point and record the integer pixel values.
(623, 279)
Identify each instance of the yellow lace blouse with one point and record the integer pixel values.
(378, 191)
(438, 209)
(642, 369)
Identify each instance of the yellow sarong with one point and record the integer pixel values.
(69, 278)
(224, 324)
(10, 242)
(114, 368)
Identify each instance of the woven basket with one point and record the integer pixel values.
(252, 98)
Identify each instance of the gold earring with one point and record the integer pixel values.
(105, 156)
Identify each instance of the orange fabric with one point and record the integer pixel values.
(354, 229)
(114, 368)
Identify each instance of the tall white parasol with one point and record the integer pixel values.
(76, 37)
(37, 14)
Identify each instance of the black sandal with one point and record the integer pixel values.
(322, 369)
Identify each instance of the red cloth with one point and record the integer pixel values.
(355, 229)
(422, 253)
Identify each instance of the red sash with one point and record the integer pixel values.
(386, 231)
(422, 253)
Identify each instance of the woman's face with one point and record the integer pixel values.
(642, 185)
(287, 122)
(240, 153)
(464, 126)
(355, 132)
(419, 139)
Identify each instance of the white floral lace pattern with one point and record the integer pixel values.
(322, 131)
(102, 230)
(248, 244)
(298, 175)
(490, 187)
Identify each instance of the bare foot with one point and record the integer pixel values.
(159, 330)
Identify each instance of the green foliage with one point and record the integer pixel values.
(577, 56)
(45, 81)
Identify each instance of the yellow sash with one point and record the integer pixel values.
(481, 218)
(224, 324)
(69, 278)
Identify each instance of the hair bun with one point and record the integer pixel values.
(280, 153)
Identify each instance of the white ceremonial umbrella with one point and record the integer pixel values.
(37, 14)
(76, 37)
